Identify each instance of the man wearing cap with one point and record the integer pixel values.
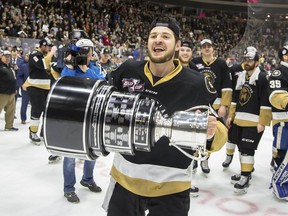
(278, 87)
(185, 54)
(87, 70)
(235, 70)
(217, 71)
(8, 85)
(250, 112)
(105, 64)
(159, 181)
(38, 85)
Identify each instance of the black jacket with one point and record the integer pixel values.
(8, 81)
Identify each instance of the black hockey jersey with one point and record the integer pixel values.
(164, 170)
(38, 76)
(250, 104)
(218, 73)
(278, 93)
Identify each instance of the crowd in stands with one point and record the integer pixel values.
(123, 25)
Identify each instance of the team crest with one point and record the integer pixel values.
(209, 75)
(245, 96)
(209, 85)
(276, 73)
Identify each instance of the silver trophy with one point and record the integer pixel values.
(85, 119)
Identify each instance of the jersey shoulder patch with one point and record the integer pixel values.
(276, 73)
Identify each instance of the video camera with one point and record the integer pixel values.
(78, 55)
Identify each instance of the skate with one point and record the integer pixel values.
(237, 177)
(34, 138)
(194, 191)
(53, 159)
(227, 161)
(204, 166)
(242, 185)
(195, 166)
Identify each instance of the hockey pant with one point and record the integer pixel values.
(38, 102)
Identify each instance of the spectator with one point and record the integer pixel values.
(15, 62)
(8, 85)
(22, 76)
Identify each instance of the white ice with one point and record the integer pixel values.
(29, 186)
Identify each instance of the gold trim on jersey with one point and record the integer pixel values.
(148, 179)
(55, 74)
(38, 83)
(164, 79)
(232, 110)
(226, 97)
(279, 99)
(216, 103)
(208, 64)
(265, 115)
(220, 138)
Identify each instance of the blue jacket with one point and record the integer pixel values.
(93, 72)
(23, 73)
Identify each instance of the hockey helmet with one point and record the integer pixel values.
(84, 43)
(283, 51)
(251, 53)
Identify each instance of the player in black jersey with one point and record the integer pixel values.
(250, 112)
(217, 71)
(186, 54)
(235, 70)
(278, 83)
(159, 180)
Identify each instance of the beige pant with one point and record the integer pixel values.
(7, 102)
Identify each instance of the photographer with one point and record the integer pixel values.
(78, 63)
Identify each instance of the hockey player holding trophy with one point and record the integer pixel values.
(150, 124)
(278, 84)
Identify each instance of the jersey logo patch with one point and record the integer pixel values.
(35, 59)
(209, 85)
(276, 73)
(245, 96)
(200, 66)
(133, 85)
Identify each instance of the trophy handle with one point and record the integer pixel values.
(198, 132)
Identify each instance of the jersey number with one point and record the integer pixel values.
(275, 84)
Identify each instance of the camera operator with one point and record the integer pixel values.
(79, 64)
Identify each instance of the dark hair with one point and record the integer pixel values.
(169, 22)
